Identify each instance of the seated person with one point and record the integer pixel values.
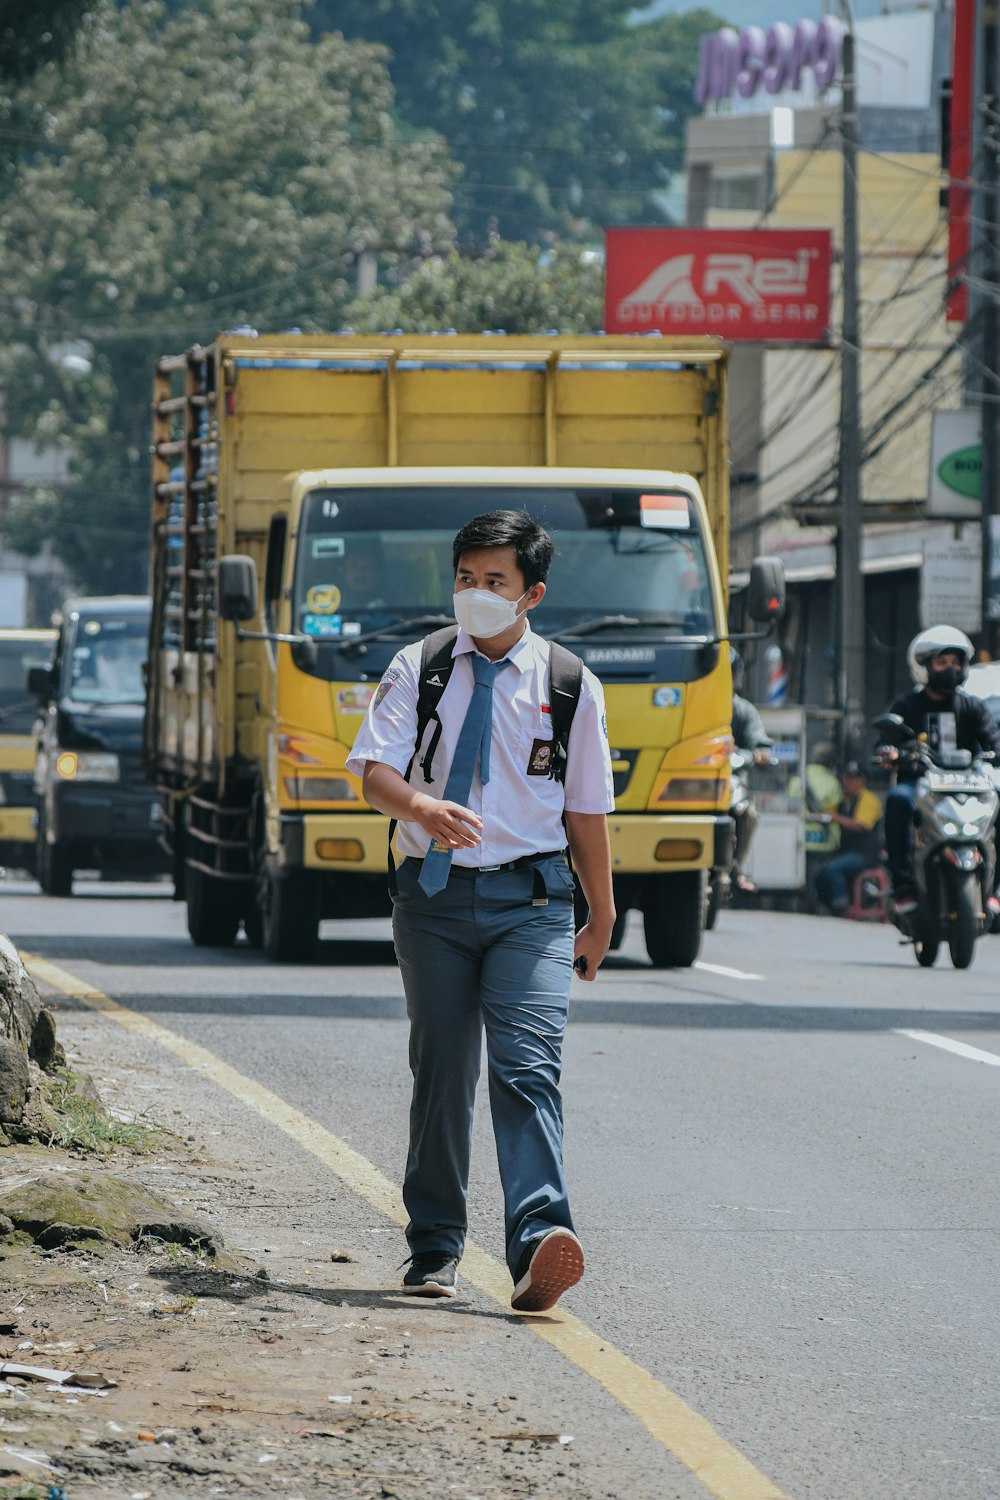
(858, 815)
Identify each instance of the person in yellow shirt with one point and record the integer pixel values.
(859, 818)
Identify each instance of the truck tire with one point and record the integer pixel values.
(213, 916)
(673, 918)
(253, 924)
(53, 867)
(291, 917)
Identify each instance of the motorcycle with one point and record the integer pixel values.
(720, 885)
(953, 848)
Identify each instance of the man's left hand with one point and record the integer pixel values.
(590, 950)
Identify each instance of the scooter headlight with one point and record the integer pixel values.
(966, 815)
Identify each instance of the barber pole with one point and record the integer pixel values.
(777, 680)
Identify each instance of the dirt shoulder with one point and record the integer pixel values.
(268, 1369)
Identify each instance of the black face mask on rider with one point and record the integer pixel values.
(945, 679)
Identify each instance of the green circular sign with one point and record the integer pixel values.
(962, 471)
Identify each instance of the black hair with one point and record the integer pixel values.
(532, 544)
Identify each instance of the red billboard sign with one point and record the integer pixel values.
(771, 286)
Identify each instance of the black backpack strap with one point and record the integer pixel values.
(565, 681)
(436, 665)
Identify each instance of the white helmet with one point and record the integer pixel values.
(929, 642)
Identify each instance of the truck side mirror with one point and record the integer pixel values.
(40, 682)
(766, 590)
(237, 588)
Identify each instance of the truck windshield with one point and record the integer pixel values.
(105, 659)
(18, 708)
(375, 556)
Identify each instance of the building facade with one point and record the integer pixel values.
(775, 160)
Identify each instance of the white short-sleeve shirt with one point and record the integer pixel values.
(521, 805)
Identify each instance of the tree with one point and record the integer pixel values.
(565, 116)
(36, 32)
(32, 34)
(512, 287)
(241, 190)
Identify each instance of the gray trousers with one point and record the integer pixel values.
(476, 955)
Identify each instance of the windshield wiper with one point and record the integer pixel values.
(612, 622)
(385, 632)
(115, 702)
(14, 709)
(602, 622)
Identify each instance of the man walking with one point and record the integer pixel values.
(483, 914)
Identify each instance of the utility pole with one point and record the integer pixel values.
(850, 584)
(983, 346)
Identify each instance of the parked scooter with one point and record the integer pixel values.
(720, 886)
(953, 847)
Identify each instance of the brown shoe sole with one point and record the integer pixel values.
(556, 1265)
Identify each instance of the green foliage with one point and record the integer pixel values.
(565, 116)
(81, 1124)
(36, 32)
(239, 189)
(512, 287)
(33, 33)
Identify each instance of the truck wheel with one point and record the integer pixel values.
(674, 918)
(718, 887)
(618, 931)
(253, 926)
(213, 917)
(53, 867)
(291, 917)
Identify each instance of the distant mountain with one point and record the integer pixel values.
(764, 13)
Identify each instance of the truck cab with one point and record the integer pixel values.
(94, 808)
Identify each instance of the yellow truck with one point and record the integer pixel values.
(306, 491)
(21, 650)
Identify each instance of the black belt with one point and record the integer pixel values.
(526, 862)
(539, 895)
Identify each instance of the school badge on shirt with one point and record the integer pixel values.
(384, 686)
(540, 759)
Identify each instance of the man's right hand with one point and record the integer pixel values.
(886, 756)
(448, 823)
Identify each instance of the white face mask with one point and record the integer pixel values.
(483, 614)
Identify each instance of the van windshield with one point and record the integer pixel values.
(368, 557)
(18, 709)
(105, 659)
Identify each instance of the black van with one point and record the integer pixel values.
(95, 808)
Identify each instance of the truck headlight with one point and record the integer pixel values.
(320, 789)
(694, 789)
(88, 765)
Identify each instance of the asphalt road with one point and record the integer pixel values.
(783, 1170)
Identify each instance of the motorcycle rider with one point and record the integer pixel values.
(939, 661)
(750, 736)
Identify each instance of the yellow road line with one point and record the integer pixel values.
(692, 1440)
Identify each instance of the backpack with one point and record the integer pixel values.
(436, 665)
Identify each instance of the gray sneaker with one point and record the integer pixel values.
(549, 1266)
(433, 1273)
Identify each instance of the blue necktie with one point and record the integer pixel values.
(473, 745)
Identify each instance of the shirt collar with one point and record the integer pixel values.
(519, 655)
